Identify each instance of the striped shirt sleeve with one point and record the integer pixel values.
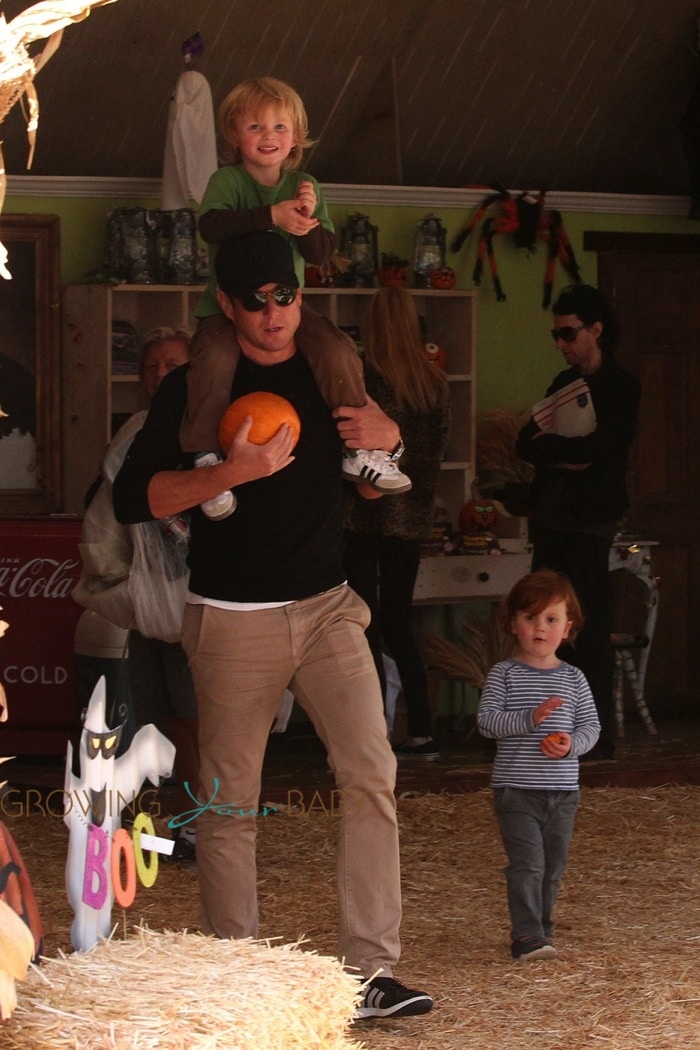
(510, 695)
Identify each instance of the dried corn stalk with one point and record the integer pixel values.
(497, 434)
(18, 68)
(483, 643)
(17, 946)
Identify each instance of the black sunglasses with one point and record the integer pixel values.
(568, 333)
(282, 296)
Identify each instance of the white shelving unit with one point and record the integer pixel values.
(93, 394)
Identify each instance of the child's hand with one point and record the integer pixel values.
(287, 216)
(306, 198)
(556, 745)
(545, 709)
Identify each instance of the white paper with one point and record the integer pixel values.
(568, 412)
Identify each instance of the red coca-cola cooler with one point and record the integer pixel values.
(39, 567)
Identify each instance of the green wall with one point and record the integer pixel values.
(516, 357)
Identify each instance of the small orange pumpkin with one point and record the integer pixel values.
(392, 276)
(269, 412)
(477, 516)
(435, 354)
(555, 738)
(443, 278)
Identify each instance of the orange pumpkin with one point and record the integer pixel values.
(443, 278)
(269, 412)
(392, 276)
(435, 354)
(555, 738)
(477, 516)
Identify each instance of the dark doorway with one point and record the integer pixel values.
(654, 284)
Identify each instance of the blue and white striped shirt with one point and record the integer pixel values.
(510, 695)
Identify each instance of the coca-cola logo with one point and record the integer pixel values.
(38, 578)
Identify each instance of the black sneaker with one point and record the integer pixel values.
(184, 853)
(526, 948)
(427, 751)
(385, 997)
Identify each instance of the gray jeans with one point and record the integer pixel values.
(536, 828)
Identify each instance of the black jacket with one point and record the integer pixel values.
(597, 492)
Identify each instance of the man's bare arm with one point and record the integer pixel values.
(172, 491)
(367, 427)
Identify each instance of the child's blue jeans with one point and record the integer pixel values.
(536, 829)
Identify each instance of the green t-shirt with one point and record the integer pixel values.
(232, 187)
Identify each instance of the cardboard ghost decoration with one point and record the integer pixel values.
(93, 802)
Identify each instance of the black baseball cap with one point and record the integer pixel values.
(244, 264)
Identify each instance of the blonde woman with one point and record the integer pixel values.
(383, 536)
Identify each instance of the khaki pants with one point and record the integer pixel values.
(241, 663)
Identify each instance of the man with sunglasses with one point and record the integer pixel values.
(579, 489)
(269, 608)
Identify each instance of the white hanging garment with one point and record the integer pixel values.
(190, 142)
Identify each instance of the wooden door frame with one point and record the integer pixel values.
(610, 245)
(610, 241)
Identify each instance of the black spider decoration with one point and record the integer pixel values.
(527, 220)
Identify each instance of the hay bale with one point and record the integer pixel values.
(185, 991)
(627, 920)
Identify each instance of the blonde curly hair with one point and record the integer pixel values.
(255, 94)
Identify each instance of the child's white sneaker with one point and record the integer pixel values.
(218, 507)
(376, 468)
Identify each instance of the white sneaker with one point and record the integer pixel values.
(376, 468)
(218, 507)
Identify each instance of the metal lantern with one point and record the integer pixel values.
(359, 246)
(429, 251)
